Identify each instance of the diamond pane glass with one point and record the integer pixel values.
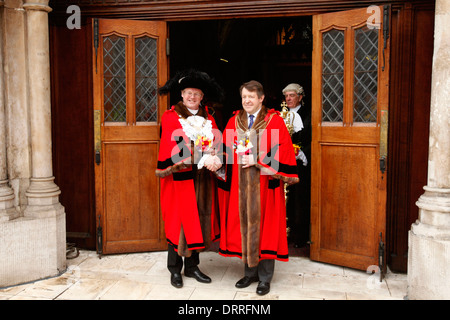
(146, 79)
(333, 76)
(365, 75)
(114, 75)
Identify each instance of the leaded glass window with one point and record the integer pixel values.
(146, 79)
(114, 75)
(365, 75)
(333, 76)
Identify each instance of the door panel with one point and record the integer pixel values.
(133, 168)
(130, 64)
(349, 123)
(341, 229)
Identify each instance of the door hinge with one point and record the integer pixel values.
(95, 41)
(386, 9)
(381, 256)
(99, 238)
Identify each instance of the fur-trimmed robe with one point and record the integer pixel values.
(251, 200)
(188, 195)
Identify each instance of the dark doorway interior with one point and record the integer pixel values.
(274, 51)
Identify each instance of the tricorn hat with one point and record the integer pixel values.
(192, 78)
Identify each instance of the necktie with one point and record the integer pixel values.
(251, 121)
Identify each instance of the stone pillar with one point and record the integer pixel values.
(7, 209)
(16, 100)
(33, 246)
(42, 192)
(429, 237)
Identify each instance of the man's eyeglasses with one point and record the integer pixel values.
(193, 94)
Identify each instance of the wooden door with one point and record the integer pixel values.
(129, 65)
(349, 130)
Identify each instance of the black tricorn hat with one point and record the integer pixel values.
(192, 78)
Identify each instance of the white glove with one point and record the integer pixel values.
(301, 156)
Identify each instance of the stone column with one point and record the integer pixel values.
(33, 246)
(429, 237)
(42, 192)
(7, 209)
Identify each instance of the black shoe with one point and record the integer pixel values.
(263, 288)
(198, 275)
(245, 282)
(176, 280)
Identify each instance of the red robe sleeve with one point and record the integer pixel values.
(276, 154)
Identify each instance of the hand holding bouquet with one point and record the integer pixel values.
(243, 147)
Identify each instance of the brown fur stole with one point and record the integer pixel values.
(204, 187)
(249, 191)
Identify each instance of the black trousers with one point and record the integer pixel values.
(175, 262)
(264, 270)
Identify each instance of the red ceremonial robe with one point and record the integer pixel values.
(188, 195)
(252, 200)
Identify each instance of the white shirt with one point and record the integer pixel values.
(193, 111)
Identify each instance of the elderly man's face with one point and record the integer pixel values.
(292, 99)
(192, 97)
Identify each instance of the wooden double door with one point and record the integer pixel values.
(349, 121)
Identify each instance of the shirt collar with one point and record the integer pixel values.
(193, 111)
(255, 114)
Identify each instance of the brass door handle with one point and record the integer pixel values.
(383, 139)
(97, 136)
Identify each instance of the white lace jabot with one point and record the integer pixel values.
(194, 126)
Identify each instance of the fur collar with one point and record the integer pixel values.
(242, 122)
(183, 111)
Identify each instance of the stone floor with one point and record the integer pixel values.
(144, 276)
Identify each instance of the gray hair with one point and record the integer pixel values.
(294, 87)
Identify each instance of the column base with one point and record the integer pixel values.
(8, 214)
(428, 268)
(43, 198)
(32, 249)
(429, 247)
(7, 209)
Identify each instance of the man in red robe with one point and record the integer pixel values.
(259, 159)
(188, 187)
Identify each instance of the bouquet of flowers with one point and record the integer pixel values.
(244, 146)
(203, 143)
